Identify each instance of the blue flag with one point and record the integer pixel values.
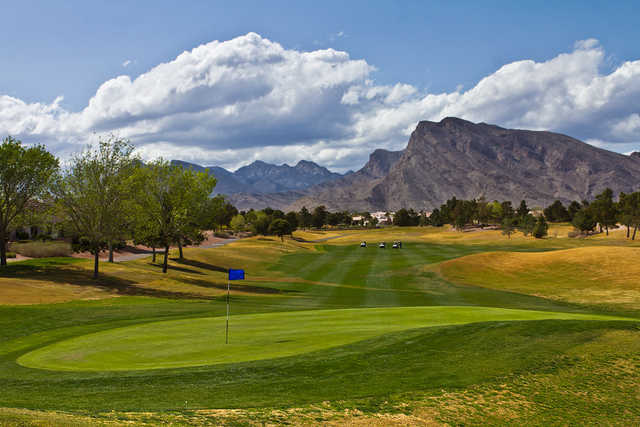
(236, 274)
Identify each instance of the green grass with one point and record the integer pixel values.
(201, 341)
(374, 330)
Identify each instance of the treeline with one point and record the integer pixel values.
(277, 223)
(600, 214)
(106, 196)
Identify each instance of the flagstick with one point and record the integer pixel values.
(226, 338)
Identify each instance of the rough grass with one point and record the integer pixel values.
(590, 275)
(38, 249)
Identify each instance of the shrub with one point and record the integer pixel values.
(21, 235)
(221, 235)
(11, 254)
(42, 249)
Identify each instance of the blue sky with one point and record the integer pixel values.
(73, 48)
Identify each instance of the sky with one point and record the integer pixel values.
(227, 83)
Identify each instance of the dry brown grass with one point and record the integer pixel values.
(23, 292)
(591, 275)
(38, 249)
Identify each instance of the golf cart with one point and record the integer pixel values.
(397, 245)
(382, 245)
(363, 244)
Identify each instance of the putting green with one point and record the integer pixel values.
(197, 342)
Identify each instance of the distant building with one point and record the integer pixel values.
(384, 217)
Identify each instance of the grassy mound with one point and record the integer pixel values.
(590, 275)
(197, 342)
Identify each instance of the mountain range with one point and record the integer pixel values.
(275, 182)
(453, 157)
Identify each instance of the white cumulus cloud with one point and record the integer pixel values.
(231, 102)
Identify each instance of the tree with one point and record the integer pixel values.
(95, 194)
(219, 212)
(541, 228)
(25, 175)
(584, 221)
(482, 211)
(320, 215)
(435, 219)
(507, 210)
(280, 228)
(305, 218)
(402, 218)
(237, 223)
(147, 234)
(526, 224)
(573, 208)
(463, 213)
(556, 212)
(631, 210)
(334, 218)
(523, 210)
(508, 226)
(625, 210)
(495, 212)
(172, 198)
(605, 210)
(292, 219)
(260, 225)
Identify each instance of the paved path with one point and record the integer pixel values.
(131, 257)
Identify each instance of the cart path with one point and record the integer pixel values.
(147, 253)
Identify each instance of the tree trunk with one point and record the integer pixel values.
(96, 256)
(606, 227)
(634, 232)
(627, 231)
(153, 250)
(180, 248)
(165, 265)
(110, 252)
(3, 250)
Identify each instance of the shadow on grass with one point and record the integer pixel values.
(62, 270)
(202, 265)
(233, 287)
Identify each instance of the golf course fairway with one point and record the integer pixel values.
(201, 341)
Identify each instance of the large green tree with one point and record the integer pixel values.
(584, 221)
(305, 219)
(320, 216)
(541, 228)
(172, 198)
(25, 175)
(556, 212)
(95, 193)
(605, 210)
(280, 228)
(219, 212)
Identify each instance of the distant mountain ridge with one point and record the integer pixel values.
(264, 178)
(455, 157)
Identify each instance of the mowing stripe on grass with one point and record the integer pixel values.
(200, 341)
